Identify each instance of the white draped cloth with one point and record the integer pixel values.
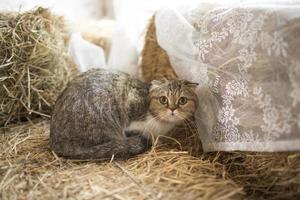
(249, 55)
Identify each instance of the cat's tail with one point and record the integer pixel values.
(120, 149)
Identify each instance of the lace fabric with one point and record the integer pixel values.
(249, 56)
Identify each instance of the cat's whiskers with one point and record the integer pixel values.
(191, 124)
(146, 128)
(151, 123)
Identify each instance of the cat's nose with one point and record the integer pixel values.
(172, 109)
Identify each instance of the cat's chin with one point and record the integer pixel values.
(172, 119)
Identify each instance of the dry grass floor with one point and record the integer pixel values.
(29, 170)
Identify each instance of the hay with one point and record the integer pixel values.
(29, 170)
(99, 33)
(34, 65)
(264, 175)
(155, 62)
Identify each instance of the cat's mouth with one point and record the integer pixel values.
(172, 117)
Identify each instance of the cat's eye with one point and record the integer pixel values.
(182, 100)
(163, 100)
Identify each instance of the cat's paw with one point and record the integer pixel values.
(138, 143)
(197, 148)
(132, 133)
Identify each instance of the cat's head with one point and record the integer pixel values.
(172, 100)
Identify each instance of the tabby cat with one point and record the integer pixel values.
(105, 113)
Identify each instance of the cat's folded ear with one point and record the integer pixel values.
(155, 84)
(190, 84)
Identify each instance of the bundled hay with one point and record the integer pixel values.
(155, 62)
(34, 66)
(100, 33)
(97, 32)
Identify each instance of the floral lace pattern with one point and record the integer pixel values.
(253, 51)
(249, 55)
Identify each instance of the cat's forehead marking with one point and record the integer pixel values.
(174, 87)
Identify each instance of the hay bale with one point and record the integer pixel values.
(155, 62)
(34, 65)
(100, 33)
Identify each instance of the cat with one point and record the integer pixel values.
(155, 64)
(105, 113)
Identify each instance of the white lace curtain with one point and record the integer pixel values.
(249, 56)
